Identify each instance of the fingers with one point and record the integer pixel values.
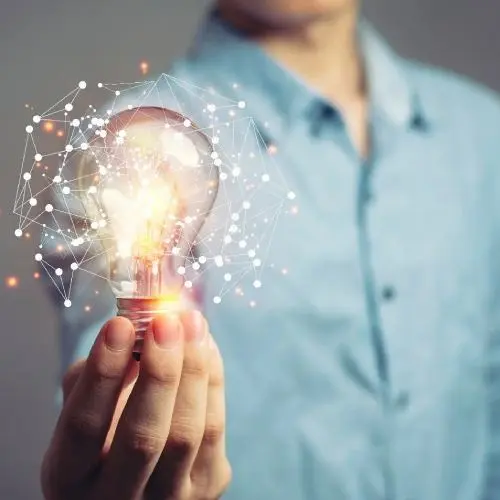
(92, 390)
(171, 477)
(211, 472)
(71, 377)
(143, 428)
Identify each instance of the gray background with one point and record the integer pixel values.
(46, 47)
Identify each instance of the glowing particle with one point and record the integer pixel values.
(66, 190)
(94, 225)
(227, 239)
(217, 300)
(75, 122)
(117, 93)
(291, 195)
(82, 84)
(87, 308)
(49, 207)
(265, 178)
(257, 284)
(181, 270)
(235, 216)
(246, 205)
(236, 171)
(12, 281)
(33, 202)
(67, 303)
(37, 118)
(252, 303)
(68, 148)
(36, 275)
(18, 233)
(215, 140)
(242, 244)
(219, 261)
(202, 259)
(218, 162)
(188, 284)
(196, 266)
(60, 133)
(99, 85)
(242, 105)
(272, 149)
(74, 266)
(48, 126)
(38, 257)
(251, 253)
(211, 108)
(29, 129)
(68, 107)
(27, 176)
(84, 146)
(38, 157)
(144, 67)
(227, 277)
(187, 123)
(58, 271)
(257, 262)
(223, 176)
(57, 179)
(92, 190)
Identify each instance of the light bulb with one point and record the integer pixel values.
(147, 184)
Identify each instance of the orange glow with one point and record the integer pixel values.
(36, 275)
(294, 210)
(48, 126)
(87, 308)
(27, 235)
(12, 281)
(272, 149)
(60, 248)
(60, 133)
(144, 67)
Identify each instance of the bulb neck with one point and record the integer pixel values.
(141, 311)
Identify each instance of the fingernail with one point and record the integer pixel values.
(166, 331)
(197, 330)
(117, 335)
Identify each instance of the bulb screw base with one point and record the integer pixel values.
(141, 311)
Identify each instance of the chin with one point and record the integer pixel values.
(286, 13)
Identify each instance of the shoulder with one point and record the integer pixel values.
(449, 95)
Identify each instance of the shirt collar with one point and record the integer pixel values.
(256, 73)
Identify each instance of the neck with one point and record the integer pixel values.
(323, 52)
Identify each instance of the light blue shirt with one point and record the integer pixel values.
(370, 370)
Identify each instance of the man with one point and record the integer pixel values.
(368, 373)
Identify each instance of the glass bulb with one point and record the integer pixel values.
(147, 184)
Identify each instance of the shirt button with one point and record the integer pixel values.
(388, 293)
(402, 401)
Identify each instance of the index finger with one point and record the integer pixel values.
(85, 419)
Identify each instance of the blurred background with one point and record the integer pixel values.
(46, 48)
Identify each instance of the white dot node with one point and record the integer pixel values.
(202, 259)
(218, 162)
(214, 155)
(219, 261)
(66, 190)
(59, 271)
(291, 195)
(18, 233)
(94, 225)
(67, 303)
(84, 146)
(196, 266)
(99, 85)
(227, 277)
(223, 176)
(265, 178)
(242, 244)
(38, 157)
(242, 105)
(74, 266)
(236, 171)
(235, 217)
(215, 140)
(92, 190)
(217, 300)
(82, 85)
(57, 179)
(33, 202)
(227, 239)
(27, 176)
(187, 123)
(29, 129)
(117, 93)
(246, 205)
(188, 284)
(257, 262)
(75, 123)
(257, 284)
(49, 207)
(37, 118)
(68, 107)
(68, 148)
(251, 253)
(211, 108)
(181, 270)
(38, 257)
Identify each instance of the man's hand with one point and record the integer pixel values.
(152, 430)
